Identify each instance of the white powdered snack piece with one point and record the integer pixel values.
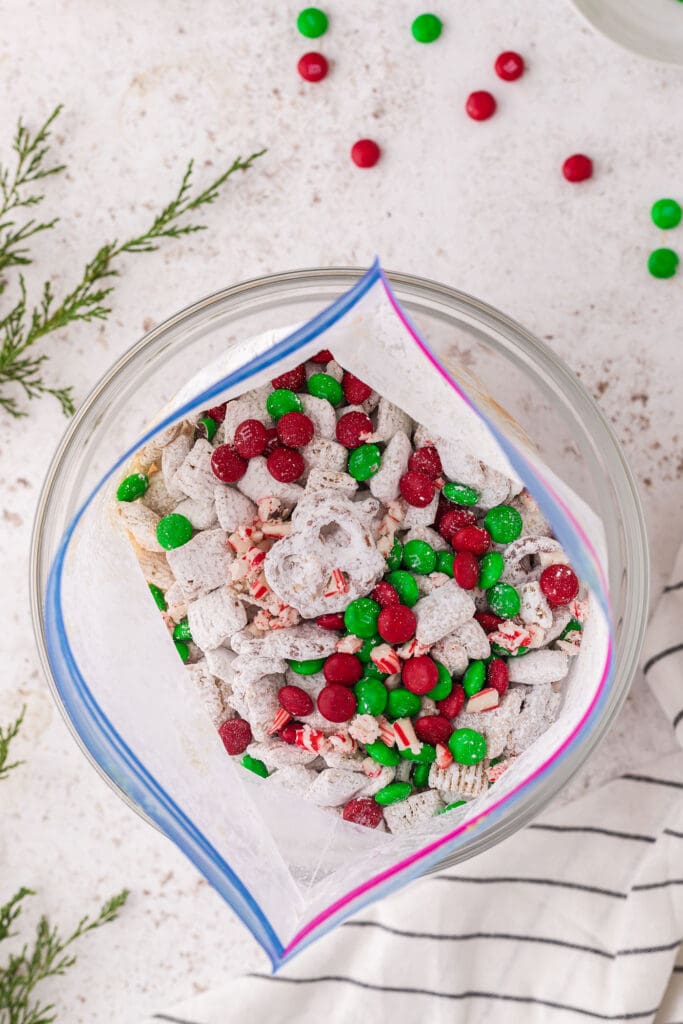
(215, 617)
(439, 613)
(203, 564)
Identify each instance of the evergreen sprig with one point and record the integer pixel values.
(7, 734)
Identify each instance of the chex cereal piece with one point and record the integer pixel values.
(520, 551)
(338, 759)
(539, 711)
(404, 770)
(534, 524)
(201, 513)
(194, 477)
(458, 464)
(473, 639)
(384, 484)
(539, 667)
(451, 654)
(301, 643)
(276, 754)
(441, 612)
(415, 812)
(322, 414)
(391, 419)
(202, 564)
(141, 523)
(428, 535)
(321, 453)
(155, 568)
(428, 584)
(258, 483)
(295, 778)
(381, 776)
(495, 725)
(331, 480)
(251, 406)
(214, 617)
(415, 517)
(210, 693)
(172, 458)
(465, 780)
(333, 369)
(535, 609)
(176, 603)
(335, 786)
(158, 498)
(233, 508)
(248, 669)
(258, 703)
(151, 451)
(220, 662)
(561, 617)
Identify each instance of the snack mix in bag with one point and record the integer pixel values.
(373, 619)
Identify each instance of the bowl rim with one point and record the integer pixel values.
(488, 315)
(616, 40)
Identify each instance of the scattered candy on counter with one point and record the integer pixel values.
(312, 22)
(509, 66)
(666, 214)
(313, 67)
(426, 28)
(663, 263)
(365, 153)
(480, 106)
(368, 626)
(577, 168)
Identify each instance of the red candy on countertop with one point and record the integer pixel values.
(343, 669)
(417, 488)
(295, 700)
(452, 705)
(396, 624)
(312, 67)
(236, 735)
(420, 675)
(292, 380)
(365, 153)
(334, 620)
(497, 675)
(433, 729)
(453, 520)
(336, 703)
(509, 66)
(251, 438)
(466, 570)
(559, 584)
(480, 105)
(217, 413)
(295, 429)
(356, 391)
(472, 538)
(226, 465)
(426, 460)
(363, 810)
(577, 168)
(285, 464)
(385, 595)
(353, 428)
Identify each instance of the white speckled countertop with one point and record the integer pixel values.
(479, 206)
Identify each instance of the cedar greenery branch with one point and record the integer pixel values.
(23, 325)
(49, 954)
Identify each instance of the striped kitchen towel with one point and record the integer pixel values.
(578, 917)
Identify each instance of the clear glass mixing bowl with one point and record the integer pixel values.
(520, 373)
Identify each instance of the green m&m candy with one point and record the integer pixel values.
(444, 685)
(307, 668)
(451, 807)
(312, 22)
(371, 695)
(444, 562)
(132, 487)
(322, 385)
(504, 523)
(373, 672)
(182, 649)
(158, 595)
(426, 28)
(402, 703)
(460, 494)
(383, 754)
(420, 775)
(467, 746)
(360, 618)
(364, 461)
(395, 556)
(666, 213)
(419, 556)
(365, 653)
(474, 678)
(173, 531)
(207, 427)
(573, 626)
(491, 566)
(503, 600)
(182, 631)
(282, 401)
(253, 764)
(406, 585)
(427, 754)
(662, 263)
(392, 793)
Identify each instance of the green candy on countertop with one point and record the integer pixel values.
(312, 22)
(426, 28)
(132, 487)
(663, 263)
(666, 213)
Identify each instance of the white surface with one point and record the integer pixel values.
(479, 206)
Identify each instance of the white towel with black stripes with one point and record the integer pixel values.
(578, 917)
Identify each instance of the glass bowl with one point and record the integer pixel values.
(651, 28)
(533, 387)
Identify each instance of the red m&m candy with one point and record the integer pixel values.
(420, 675)
(217, 413)
(497, 675)
(488, 621)
(335, 620)
(466, 570)
(396, 624)
(295, 429)
(426, 460)
(356, 391)
(336, 703)
(472, 538)
(559, 583)
(363, 811)
(312, 67)
(433, 729)
(285, 464)
(577, 168)
(452, 705)
(236, 735)
(480, 105)
(292, 380)
(365, 153)
(353, 429)
(385, 595)
(227, 465)
(251, 438)
(509, 66)
(323, 356)
(453, 520)
(343, 669)
(295, 700)
(417, 488)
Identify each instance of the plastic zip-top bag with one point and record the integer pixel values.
(291, 868)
